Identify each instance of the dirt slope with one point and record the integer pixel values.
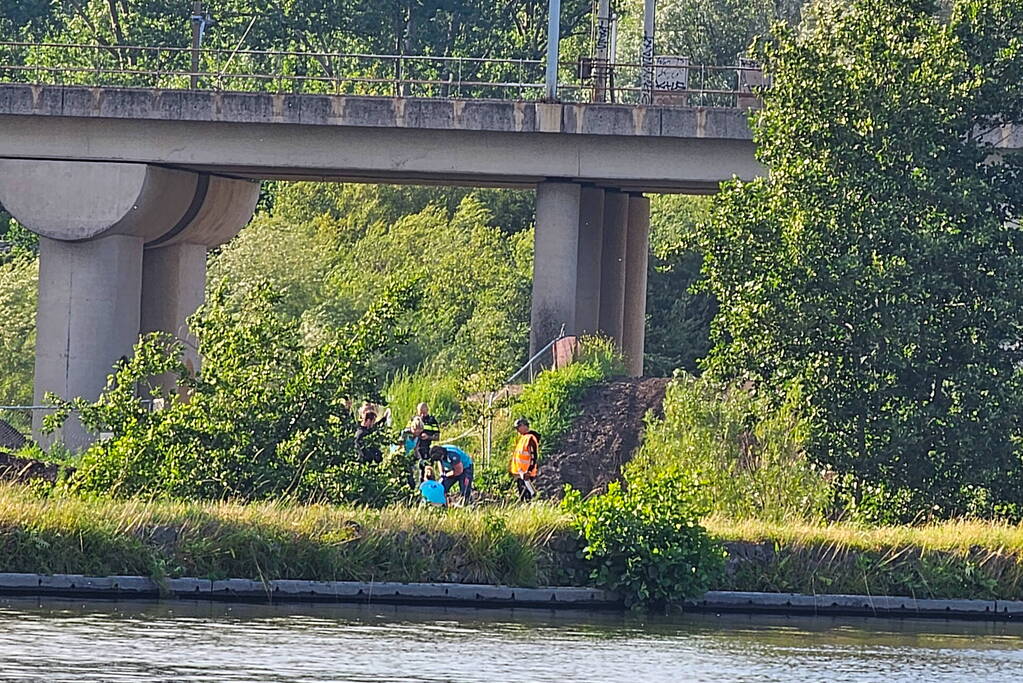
(604, 438)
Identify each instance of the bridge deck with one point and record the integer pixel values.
(356, 138)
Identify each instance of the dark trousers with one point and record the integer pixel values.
(524, 494)
(464, 483)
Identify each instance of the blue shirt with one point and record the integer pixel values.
(454, 454)
(433, 492)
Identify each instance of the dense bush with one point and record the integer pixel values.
(645, 541)
(266, 417)
(747, 449)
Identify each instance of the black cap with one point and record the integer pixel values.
(522, 422)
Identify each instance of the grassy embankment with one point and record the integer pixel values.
(506, 544)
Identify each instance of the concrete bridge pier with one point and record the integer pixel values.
(95, 221)
(637, 246)
(590, 266)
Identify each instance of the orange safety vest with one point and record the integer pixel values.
(522, 460)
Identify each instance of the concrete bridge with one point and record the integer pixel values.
(128, 188)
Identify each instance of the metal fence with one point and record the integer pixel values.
(668, 81)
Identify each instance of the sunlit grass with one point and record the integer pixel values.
(101, 536)
(502, 544)
(953, 536)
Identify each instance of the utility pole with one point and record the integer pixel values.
(600, 75)
(553, 49)
(646, 56)
(198, 27)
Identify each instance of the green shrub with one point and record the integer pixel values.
(267, 417)
(748, 454)
(551, 402)
(646, 541)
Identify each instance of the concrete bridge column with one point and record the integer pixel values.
(555, 261)
(173, 288)
(612, 265)
(636, 256)
(591, 238)
(87, 319)
(94, 220)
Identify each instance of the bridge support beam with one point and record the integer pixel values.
(612, 265)
(591, 238)
(95, 221)
(173, 288)
(636, 257)
(555, 261)
(88, 319)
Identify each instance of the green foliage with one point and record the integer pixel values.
(745, 448)
(646, 541)
(551, 401)
(678, 326)
(878, 265)
(18, 286)
(340, 241)
(267, 416)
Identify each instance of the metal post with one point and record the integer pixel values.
(553, 48)
(601, 58)
(198, 20)
(647, 53)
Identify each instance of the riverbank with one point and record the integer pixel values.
(524, 546)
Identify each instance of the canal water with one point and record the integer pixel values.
(67, 640)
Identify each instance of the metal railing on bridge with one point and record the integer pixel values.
(668, 81)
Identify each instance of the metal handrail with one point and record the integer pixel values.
(395, 75)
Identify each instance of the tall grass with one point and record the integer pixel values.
(958, 559)
(407, 389)
(748, 454)
(503, 545)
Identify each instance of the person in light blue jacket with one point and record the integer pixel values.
(457, 467)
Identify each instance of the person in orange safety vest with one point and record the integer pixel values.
(523, 466)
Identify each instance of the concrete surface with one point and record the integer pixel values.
(591, 238)
(173, 288)
(555, 262)
(612, 265)
(366, 139)
(637, 245)
(88, 318)
(480, 595)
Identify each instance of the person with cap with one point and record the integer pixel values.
(524, 465)
(457, 466)
(425, 429)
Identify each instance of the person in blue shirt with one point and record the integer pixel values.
(457, 466)
(432, 490)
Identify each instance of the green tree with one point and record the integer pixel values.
(879, 263)
(678, 320)
(267, 416)
(18, 286)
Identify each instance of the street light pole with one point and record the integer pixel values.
(198, 24)
(646, 57)
(553, 49)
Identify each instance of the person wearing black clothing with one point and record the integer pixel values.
(370, 423)
(430, 433)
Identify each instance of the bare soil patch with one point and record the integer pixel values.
(604, 437)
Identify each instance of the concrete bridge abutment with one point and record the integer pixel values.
(122, 251)
(590, 266)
